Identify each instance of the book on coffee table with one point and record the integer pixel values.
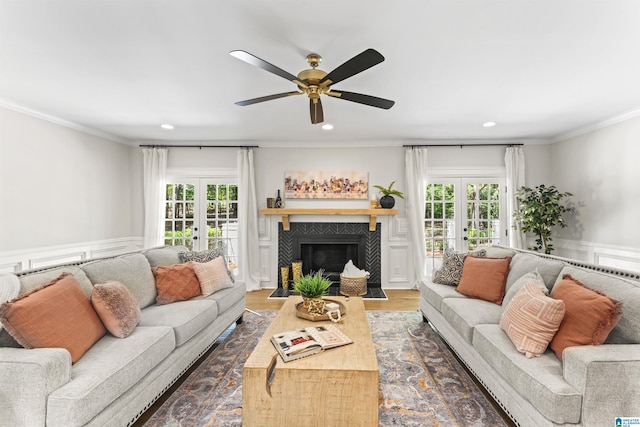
(304, 342)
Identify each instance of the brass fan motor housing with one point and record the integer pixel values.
(311, 78)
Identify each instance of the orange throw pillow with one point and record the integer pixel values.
(484, 278)
(57, 314)
(589, 315)
(531, 320)
(176, 282)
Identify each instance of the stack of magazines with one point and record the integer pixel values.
(304, 342)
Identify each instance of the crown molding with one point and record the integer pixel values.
(603, 124)
(56, 120)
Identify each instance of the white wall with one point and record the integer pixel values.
(61, 187)
(384, 164)
(601, 169)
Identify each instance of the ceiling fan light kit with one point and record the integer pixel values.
(314, 82)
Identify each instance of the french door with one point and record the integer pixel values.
(202, 214)
(463, 213)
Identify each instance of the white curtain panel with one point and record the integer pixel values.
(416, 181)
(514, 162)
(155, 172)
(248, 242)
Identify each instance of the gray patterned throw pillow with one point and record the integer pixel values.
(201, 256)
(452, 263)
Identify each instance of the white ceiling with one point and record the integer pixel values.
(539, 68)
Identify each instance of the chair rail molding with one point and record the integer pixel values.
(621, 257)
(27, 259)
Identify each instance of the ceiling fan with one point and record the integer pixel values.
(314, 82)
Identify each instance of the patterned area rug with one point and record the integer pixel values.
(421, 382)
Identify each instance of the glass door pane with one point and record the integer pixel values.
(221, 218)
(440, 214)
(180, 214)
(483, 224)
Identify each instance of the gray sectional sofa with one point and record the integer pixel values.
(117, 379)
(591, 386)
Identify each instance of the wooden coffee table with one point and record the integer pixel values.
(337, 387)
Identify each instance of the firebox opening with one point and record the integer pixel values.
(328, 257)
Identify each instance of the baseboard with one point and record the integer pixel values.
(27, 259)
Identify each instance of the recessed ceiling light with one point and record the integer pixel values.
(489, 124)
(327, 126)
(167, 126)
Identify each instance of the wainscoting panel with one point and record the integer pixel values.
(606, 255)
(265, 261)
(397, 265)
(12, 261)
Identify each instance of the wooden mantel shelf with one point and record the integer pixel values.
(285, 212)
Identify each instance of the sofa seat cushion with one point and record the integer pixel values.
(434, 293)
(187, 318)
(464, 314)
(229, 297)
(107, 370)
(132, 270)
(539, 379)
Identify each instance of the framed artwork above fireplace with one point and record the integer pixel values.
(326, 185)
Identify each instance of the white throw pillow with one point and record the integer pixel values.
(9, 288)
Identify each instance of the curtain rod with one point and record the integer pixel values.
(197, 146)
(463, 145)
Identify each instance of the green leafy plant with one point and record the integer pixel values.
(389, 191)
(312, 285)
(540, 209)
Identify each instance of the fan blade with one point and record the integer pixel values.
(315, 106)
(267, 98)
(355, 65)
(373, 101)
(261, 63)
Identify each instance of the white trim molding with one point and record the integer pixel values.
(623, 258)
(56, 120)
(27, 259)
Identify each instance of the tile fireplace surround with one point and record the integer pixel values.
(352, 234)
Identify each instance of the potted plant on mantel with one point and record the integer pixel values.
(541, 208)
(312, 287)
(387, 201)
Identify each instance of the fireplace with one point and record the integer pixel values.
(329, 246)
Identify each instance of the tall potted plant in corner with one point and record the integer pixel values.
(387, 201)
(540, 209)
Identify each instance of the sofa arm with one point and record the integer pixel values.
(607, 376)
(27, 378)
